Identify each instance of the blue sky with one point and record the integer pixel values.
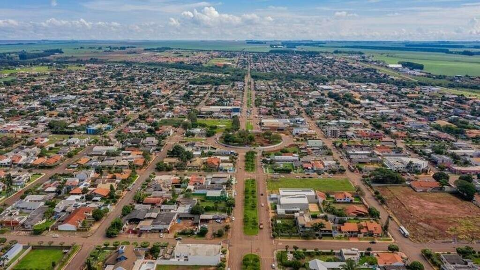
(241, 19)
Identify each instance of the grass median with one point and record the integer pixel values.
(250, 211)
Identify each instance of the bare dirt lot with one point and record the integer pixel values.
(428, 216)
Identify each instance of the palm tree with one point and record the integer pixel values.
(349, 265)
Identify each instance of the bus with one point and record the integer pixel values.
(404, 231)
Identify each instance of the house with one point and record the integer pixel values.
(321, 265)
(425, 186)
(456, 262)
(388, 259)
(11, 253)
(406, 164)
(350, 229)
(102, 192)
(124, 258)
(350, 254)
(314, 143)
(344, 197)
(213, 162)
(75, 219)
(370, 228)
(194, 254)
(305, 223)
(356, 211)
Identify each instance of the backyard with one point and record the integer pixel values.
(429, 216)
(320, 184)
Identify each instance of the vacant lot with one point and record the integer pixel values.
(320, 184)
(40, 259)
(221, 124)
(428, 216)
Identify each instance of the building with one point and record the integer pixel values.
(350, 254)
(388, 258)
(193, 254)
(321, 265)
(425, 186)
(406, 164)
(456, 262)
(11, 253)
(75, 219)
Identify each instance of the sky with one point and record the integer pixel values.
(240, 19)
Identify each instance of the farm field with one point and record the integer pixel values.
(320, 184)
(436, 63)
(40, 259)
(428, 216)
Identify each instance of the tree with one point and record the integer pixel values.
(416, 265)
(126, 209)
(373, 212)
(466, 177)
(393, 248)
(349, 265)
(466, 189)
(197, 210)
(441, 177)
(386, 225)
(155, 250)
(235, 123)
(386, 176)
(203, 231)
(98, 214)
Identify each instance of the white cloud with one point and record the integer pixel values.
(344, 14)
(53, 3)
(173, 22)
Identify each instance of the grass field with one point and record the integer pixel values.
(436, 63)
(250, 212)
(250, 161)
(320, 184)
(428, 216)
(249, 126)
(221, 124)
(251, 262)
(40, 259)
(221, 61)
(25, 69)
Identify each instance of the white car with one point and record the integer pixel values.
(161, 235)
(233, 218)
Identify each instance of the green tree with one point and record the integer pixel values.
(466, 189)
(416, 265)
(349, 265)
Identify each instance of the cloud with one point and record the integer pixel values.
(344, 14)
(209, 16)
(53, 3)
(173, 22)
(143, 6)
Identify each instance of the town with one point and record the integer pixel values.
(163, 158)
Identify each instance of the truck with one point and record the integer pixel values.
(404, 231)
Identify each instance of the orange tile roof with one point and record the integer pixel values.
(53, 160)
(343, 195)
(101, 191)
(151, 200)
(77, 216)
(349, 227)
(83, 161)
(76, 191)
(39, 161)
(388, 258)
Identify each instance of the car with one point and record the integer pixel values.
(261, 194)
(261, 225)
(373, 242)
(178, 238)
(233, 218)
(55, 236)
(161, 235)
(273, 266)
(218, 221)
(263, 204)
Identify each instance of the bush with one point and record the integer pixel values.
(416, 265)
(393, 248)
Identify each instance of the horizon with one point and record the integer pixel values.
(358, 20)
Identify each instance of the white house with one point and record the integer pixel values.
(194, 254)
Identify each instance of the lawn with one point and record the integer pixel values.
(221, 61)
(35, 176)
(251, 262)
(320, 184)
(249, 126)
(221, 124)
(250, 161)
(250, 214)
(40, 259)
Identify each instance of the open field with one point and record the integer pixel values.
(177, 267)
(40, 259)
(320, 184)
(221, 61)
(428, 216)
(221, 124)
(25, 69)
(435, 63)
(250, 214)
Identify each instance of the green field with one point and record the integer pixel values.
(319, 184)
(25, 69)
(250, 212)
(249, 126)
(435, 63)
(220, 61)
(221, 124)
(250, 161)
(251, 262)
(40, 259)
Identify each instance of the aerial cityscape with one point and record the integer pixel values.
(163, 135)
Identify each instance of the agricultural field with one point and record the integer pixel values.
(319, 184)
(40, 259)
(435, 63)
(429, 216)
(250, 214)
